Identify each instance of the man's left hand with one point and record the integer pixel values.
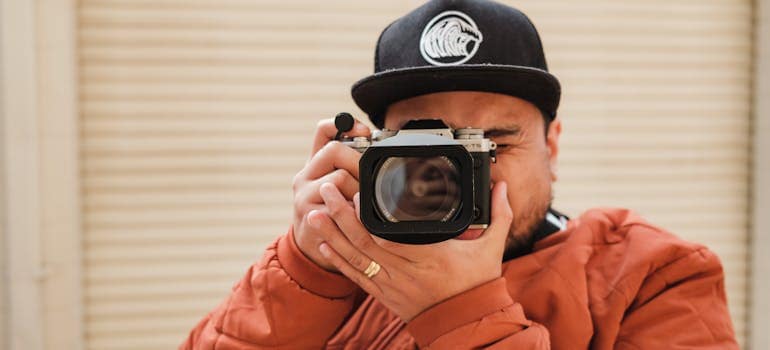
(412, 277)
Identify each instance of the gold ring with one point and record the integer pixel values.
(372, 269)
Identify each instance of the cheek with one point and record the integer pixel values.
(517, 170)
(529, 191)
(527, 179)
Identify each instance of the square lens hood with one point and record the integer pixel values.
(416, 232)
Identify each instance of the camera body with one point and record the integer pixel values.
(425, 183)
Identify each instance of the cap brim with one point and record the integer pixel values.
(375, 93)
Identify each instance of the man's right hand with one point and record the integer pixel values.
(330, 161)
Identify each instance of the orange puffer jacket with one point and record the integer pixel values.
(608, 281)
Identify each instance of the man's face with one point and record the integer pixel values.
(526, 157)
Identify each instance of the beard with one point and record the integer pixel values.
(521, 235)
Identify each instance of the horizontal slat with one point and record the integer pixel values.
(191, 163)
(134, 201)
(146, 38)
(315, 109)
(353, 56)
(227, 183)
(678, 7)
(266, 143)
(653, 22)
(228, 91)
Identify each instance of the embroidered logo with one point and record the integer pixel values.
(450, 38)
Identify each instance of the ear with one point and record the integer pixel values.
(552, 143)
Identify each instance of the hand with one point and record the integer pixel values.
(330, 162)
(412, 277)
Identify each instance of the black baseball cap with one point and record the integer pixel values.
(458, 45)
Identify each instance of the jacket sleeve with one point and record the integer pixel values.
(482, 318)
(682, 305)
(285, 301)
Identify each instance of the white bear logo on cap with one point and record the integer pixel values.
(450, 38)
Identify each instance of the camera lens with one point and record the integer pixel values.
(417, 189)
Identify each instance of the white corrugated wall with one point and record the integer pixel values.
(197, 113)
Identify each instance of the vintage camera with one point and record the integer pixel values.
(425, 183)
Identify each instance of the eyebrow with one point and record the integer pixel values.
(511, 130)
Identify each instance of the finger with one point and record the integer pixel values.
(326, 130)
(334, 155)
(390, 246)
(345, 217)
(501, 215)
(334, 237)
(350, 271)
(345, 182)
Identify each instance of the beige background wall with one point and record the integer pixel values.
(760, 224)
(4, 311)
(3, 263)
(193, 115)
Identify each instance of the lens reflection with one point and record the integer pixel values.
(417, 189)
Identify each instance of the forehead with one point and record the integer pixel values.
(461, 109)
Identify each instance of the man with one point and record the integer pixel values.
(532, 280)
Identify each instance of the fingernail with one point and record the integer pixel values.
(357, 204)
(323, 248)
(312, 219)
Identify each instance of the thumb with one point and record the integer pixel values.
(502, 215)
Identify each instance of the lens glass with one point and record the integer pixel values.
(417, 189)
